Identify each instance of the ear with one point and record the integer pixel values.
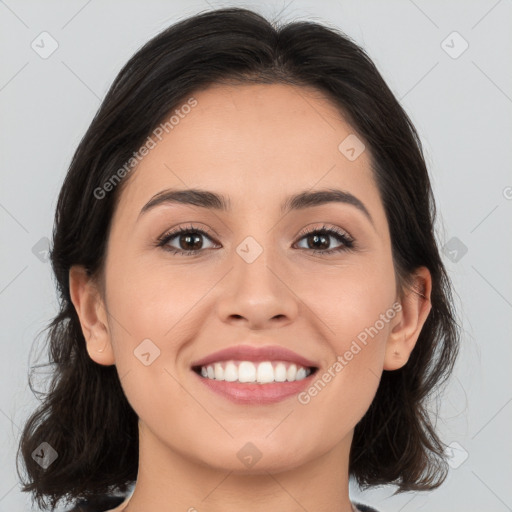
(415, 308)
(91, 311)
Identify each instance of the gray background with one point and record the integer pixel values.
(460, 103)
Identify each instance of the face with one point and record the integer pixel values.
(251, 274)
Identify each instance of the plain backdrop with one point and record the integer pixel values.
(448, 62)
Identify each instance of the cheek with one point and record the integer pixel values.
(343, 390)
(148, 319)
(355, 308)
(347, 300)
(363, 319)
(150, 302)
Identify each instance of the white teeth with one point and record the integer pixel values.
(291, 373)
(301, 374)
(231, 372)
(246, 372)
(265, 372)
(219, 371)
(261, 373)
(280, 372)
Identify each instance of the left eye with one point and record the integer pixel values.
(323, 237)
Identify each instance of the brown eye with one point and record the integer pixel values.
(189, 240)
(319, 240)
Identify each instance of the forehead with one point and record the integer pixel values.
(254, 143)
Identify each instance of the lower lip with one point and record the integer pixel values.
(250, 393)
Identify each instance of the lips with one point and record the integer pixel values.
(255, 354)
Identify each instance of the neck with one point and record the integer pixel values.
(171, 480)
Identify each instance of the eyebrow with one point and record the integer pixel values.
(219, 202)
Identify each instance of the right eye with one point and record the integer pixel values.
(188, 235)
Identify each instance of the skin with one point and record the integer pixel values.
(256, 144)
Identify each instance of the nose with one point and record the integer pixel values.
(258, 294)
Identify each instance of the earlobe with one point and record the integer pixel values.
(414, 312)
(90, 309)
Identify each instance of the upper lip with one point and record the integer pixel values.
(255, 354)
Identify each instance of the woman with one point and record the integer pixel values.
(253, 304)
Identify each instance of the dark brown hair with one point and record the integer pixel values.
(85, 415)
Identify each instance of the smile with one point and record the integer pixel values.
(255, 383)
(262, 372)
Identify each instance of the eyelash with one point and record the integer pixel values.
(348, 243)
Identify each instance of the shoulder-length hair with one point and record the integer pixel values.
(85, 417)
